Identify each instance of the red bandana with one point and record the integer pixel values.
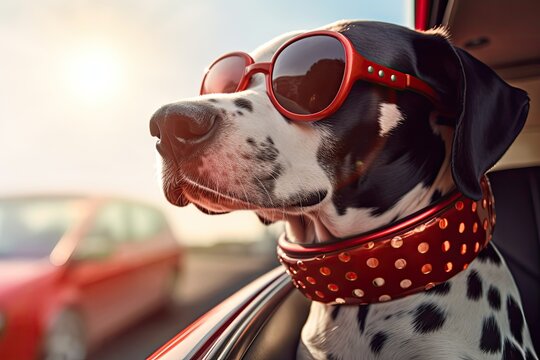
(410, 256)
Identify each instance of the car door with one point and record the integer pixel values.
(154, 255)
(102, 272)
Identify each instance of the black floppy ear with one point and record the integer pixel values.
(492, 115)
(489, 113)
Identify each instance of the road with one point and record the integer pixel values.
(207, 280)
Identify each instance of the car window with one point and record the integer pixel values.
(108, 229)
(145, 222)
(31, 227)
(111, 223)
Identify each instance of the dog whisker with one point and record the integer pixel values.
(245, 192)
(319, 207)
(300, 181)
(218, 200)
(282, 207)
(266, 191)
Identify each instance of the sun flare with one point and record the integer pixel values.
(94, 73)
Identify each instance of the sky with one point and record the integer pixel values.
(79, 81)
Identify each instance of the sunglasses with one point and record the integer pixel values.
(310, 76)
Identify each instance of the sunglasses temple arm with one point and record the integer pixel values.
(377, 73)
(422, 88)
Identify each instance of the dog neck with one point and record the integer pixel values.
(325, 223)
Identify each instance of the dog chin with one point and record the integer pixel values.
(175, 196)
(211, 202)
(207, 201)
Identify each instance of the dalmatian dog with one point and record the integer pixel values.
(235, 151)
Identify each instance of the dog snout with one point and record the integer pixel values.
(183, 127)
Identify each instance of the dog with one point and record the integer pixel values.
(380, 157)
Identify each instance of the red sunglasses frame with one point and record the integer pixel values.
(357, 67)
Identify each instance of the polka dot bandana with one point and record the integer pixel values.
(407, 257)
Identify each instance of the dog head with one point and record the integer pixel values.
(368, 162)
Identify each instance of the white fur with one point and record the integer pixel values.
(389, 118)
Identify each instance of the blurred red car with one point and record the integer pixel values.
(74, 270)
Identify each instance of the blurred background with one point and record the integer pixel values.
(94, 263)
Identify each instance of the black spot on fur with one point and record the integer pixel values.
(494, 298)
(239, 112)
(511, 352)
(515, 317)
(268, 183)
(474, 286)
(244, 104)
(441, 289)
(335, 312)
(362, 316)
(529, 355)
(490, 339)
(489, 255)
(436, 196)
(266, 156)
(267, 153)
(213, 100)
(276, 172)
(377, 342)
(428, 318)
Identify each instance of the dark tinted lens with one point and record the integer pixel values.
(224, 76)
(307, 74)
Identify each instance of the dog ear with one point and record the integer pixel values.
(489, 113)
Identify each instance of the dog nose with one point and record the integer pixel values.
(182, 126)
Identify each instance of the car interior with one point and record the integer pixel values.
(506, 36)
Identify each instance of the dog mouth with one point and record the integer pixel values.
(185, 184)
(211, 201)
(204, 198)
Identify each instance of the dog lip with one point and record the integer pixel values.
(225, 202)
(215, 202)
(176, 196)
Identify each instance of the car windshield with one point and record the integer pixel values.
(31, 227)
